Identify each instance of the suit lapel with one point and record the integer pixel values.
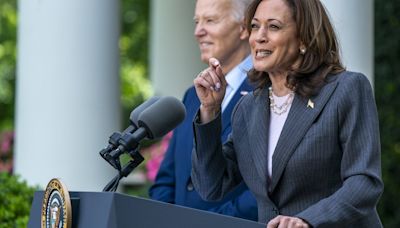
(299, 120)
(226, 115)
(192, 106)
(258, 127)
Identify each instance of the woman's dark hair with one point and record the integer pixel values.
(322, 56)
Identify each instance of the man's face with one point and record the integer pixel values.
(217, 32)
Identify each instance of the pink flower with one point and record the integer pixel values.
(6, 142)
(6, 156)
(5, 147)
(6, 166)
(156, 155)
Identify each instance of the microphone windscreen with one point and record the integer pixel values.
(134, 117)
(161, 117)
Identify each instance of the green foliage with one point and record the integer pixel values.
(8, 28)
(387, 87)
(139, 191)
(135, 32)
(135, 86)
(15, 201)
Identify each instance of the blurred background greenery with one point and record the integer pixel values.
(15, 194)
(387, 93)
(136, 87)
(8, 35)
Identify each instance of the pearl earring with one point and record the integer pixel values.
(302, 51)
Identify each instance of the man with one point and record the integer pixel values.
(221, 33)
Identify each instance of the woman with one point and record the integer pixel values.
(306, 141)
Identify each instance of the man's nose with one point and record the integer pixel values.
(199, 30)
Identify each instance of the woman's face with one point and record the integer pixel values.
(274, 42)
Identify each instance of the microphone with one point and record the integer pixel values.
(162, 117)
(114, 139)
(152, 122)
(155, 121)
(134, 116)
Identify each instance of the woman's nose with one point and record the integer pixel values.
(261, 35)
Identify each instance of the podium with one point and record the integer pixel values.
(115, 210)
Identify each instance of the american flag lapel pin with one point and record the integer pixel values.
(310, 104)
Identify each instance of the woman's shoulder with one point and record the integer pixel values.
(349, 77)
(349, 80)
(352, 87)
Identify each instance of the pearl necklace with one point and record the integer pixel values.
(279, 110)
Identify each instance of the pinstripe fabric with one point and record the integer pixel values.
(326, 165)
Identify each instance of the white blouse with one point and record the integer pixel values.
(275, 127)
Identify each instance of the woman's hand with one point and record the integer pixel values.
(210, 87)
(281, 221)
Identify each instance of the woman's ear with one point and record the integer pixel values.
(302, 48)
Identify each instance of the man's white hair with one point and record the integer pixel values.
(239, 8)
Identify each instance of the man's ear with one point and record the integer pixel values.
(244, 34)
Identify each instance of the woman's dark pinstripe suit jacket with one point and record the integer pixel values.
(326, 167)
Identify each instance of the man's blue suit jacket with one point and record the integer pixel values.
(173, 182)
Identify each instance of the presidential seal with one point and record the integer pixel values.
(56, 206)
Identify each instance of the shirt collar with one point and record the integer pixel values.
(237, 75)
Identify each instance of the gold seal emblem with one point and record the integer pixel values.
(56, 206)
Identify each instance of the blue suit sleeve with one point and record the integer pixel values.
(243, 206)
(164, 187)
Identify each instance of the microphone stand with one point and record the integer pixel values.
(113, 143)
(137, 158)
